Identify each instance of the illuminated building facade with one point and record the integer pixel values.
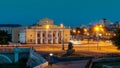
(45, 32)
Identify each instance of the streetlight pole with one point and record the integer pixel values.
(97, 35)
(88, 41)
(51, 59)
(98, 29)
(97, 41)
(63, 39)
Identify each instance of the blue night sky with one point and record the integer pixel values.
(69, 12)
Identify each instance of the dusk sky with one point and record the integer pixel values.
(68, 12)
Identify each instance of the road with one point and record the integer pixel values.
(91, 47)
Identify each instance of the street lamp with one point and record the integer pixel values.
(85, 30)
(50, 59)
(88, 40)
(99, 29)
(78, 31)
(97, 35)
(73, 33)
(51, 54)
(62, 26)
(63, 41)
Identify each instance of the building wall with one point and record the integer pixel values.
(30, 36)
(45, 32)
(22, 37)
(51, 36)
(66, 35)
(15, 35)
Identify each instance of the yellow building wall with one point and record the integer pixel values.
(66, 35)
(30, 36)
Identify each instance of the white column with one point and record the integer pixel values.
(57, 36)
(52, 37)
(41, 37)
(36, 38)
(46, 36)
(63, 40)
(62, 36)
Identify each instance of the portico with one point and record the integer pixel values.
(45, 32)
(50, 36)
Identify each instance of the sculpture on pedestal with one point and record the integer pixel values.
(70, 49)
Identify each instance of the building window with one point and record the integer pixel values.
(18, 34)
(38, 35)
(53, 34)
(43, 34)
(38, 41)
(30, 40)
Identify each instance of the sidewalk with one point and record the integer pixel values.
(72, 64)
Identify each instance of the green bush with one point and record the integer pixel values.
(20, 64)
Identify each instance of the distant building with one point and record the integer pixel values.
(9, 28)
(18, 34)
(105, 22)
(117, 24)
(110, 25)
(45, 32)
(22, 35)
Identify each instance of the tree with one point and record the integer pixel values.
(4, 37)
(116, 38)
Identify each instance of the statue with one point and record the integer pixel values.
(70, 48)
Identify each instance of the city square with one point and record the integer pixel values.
(59, 34)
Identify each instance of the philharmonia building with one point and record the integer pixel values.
(45, 32)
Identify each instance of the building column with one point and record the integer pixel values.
(36, 38)
(46, 36)
(56, 37)
(52, 37)
(41, 37)
(62, 36)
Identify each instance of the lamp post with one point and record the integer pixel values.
(88, 40)
(99, 29)
(63, 39)
(74, 33)
(97, 41)
(50, 59)
(97, 35)
(62, 26)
